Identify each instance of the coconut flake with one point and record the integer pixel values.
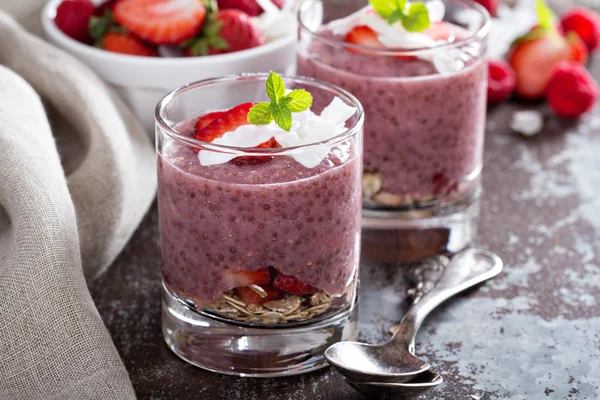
(276, 23)
(307, 128)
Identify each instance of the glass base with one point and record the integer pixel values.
(233, 349)
(413, 234)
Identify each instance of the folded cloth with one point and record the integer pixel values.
(76, 178)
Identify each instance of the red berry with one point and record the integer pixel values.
(253, 160)
(292, 285)
(571, 91)
(535, 57)
(249, 296)
(161, 21)
(490, 5)
(205, 120)
(238, 30)
(250, 7)
(363, 36)
(73, 18)
(124, 43)
(246, 278)
(585, 23)
(228, 122)
(501, 81)
(105, 6)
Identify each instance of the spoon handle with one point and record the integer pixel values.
(466, 269)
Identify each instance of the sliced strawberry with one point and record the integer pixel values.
(253, 160)
(363, 36)
(124, 43)
(246, 278)
(205, 120)
(73, 16)
(229, 121)
(250, 7)
(439, 31)
(292, 285)
(238, 31)
(249, 296)
(161, 22)
(534, 59)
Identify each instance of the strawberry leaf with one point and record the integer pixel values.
(300, 100)
(99, 26)
(275, 87)
(260, 114)
(545, 15)
(417, 18)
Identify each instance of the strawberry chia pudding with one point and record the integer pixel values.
(425, 112)
(261, 239)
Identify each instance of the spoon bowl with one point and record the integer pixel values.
(353, 360)
(420, 383)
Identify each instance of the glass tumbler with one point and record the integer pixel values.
(425, 121)
(236, 234)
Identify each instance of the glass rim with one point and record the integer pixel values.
(480, 34)
(331, 142)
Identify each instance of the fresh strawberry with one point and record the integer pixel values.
(249, 296)
(161, 22)
(363, 36)
(105, 6)
(229, 121)
(292, 285)
(253, 160)
(534, 57)
(124, 43)
(439, 31)
(585, 23)
(238, 31)
(73, 16)
(501, 81)
(490, 5)
(205, 120)
(571, 91)
(246, 278)
(250, 7)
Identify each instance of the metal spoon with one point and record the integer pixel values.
(394, 361)
(419, 384)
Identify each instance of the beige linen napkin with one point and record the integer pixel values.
(75, 181)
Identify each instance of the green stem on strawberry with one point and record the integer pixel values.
(414, 18)
(100, 26)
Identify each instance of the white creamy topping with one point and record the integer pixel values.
(276, 23)
(307, 127)
(395, 36)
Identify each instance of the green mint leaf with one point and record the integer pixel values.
(260, 114)
(300, 100)
(545, 15)
(273, 107)
(417, 18)
(283, 118)
(275, 87)
(395, 16)
(384, 7)
(285, 101)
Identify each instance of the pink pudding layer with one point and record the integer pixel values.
(223, 218)
(424, 131)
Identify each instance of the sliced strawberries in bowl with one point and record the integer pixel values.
(161, 22)
(293, 285)
(250, 7)
(246, 278)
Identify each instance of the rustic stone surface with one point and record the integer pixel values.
(532, 333)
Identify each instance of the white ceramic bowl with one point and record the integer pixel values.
(143, 81)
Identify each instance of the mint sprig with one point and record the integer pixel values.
(281, 106)
(545, 15)
(414, 18)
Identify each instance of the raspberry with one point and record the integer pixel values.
(73, 17)
(585, 23)
(501, 81)
(490, 5)
(571, 91)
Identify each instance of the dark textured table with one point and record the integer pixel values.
(531, 333)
